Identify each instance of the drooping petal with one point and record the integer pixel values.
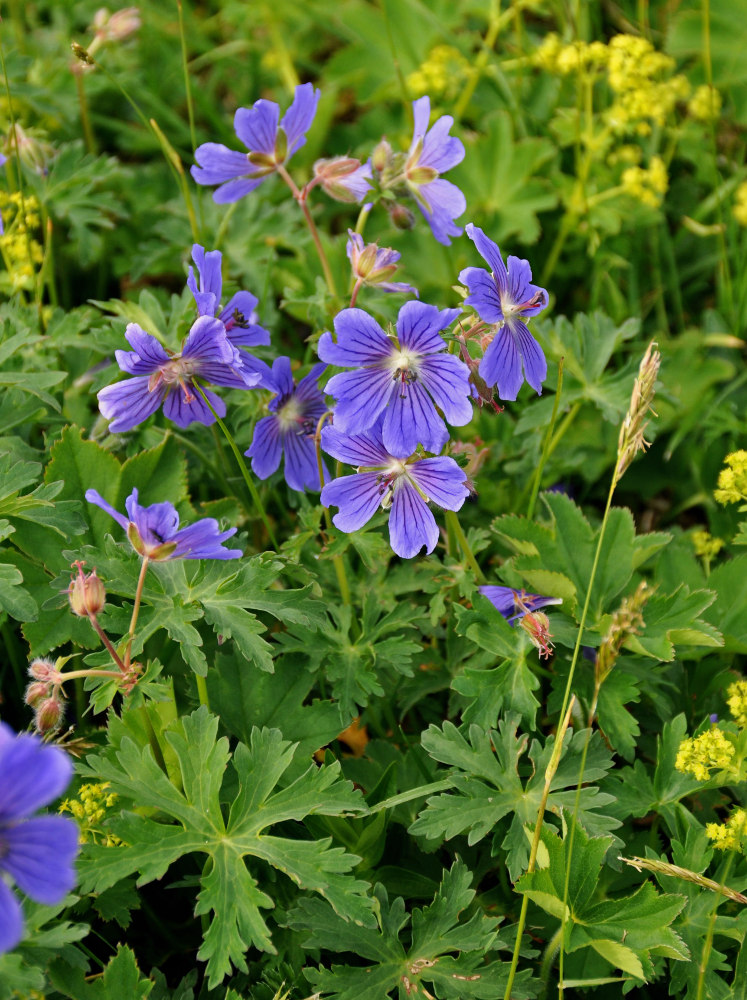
(410, 420)
(204, 540)
(446, 203)
(93, 496)
(233, 190)
(441, 150)
(218, 164)
(532, 355)
(257, 127)
(127, 404)
(147, 355)
(301, 468)
(411, 523)
(358, 498)
(491, 254)
(33, 775)
(299, 116)
(419, 327)
(266, 447)
(29, 849)
(447, 380)
(364, 450)
(184, 411)
(501, 364)
(483, 294)
(11, 919)
(442, 480)
(360, 340)
(361, 396)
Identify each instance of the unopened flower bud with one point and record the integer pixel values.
(36, 692)
(536, 624)
(381, 156)
(86, 593)
(401, 216)
(117, 26)
(48, 715)
(343, 178)
(43, 670)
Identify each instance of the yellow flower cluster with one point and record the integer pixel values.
(578, 57)
(89, 809)
(700, 755)
(731, 835)
(739, 209)
(441, 74)
(705, 104)
(17, 243)
(737, 701)
(646, 184)
(732, 480)
(705, 545)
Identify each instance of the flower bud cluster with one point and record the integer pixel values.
(737, 701)
(90, 808)
(44, 695)
(731, 835)
(699, 755)
(732, 480)
(646, 184)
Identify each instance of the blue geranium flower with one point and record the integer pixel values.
(270, 145)
(154, 531)
(162, 378)
(505, 297)
(37, 852)
(514, 604)
(402, 378)
(290, 428)
(404, 486)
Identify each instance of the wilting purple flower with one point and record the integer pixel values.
(168, 378)
(295, 413)
(514, 604)
(37, 852)
(270, 145)
(154, 531)
(404, 485)
(506, 296)
(343, 178)
(433, 152)
(372, 265)
(403, 377)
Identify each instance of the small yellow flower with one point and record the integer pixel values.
(731, 835)
(705, 104)
(441, 74)
(699, 755)
(646, 184)
(90, 809)
(732, 480)
(705, 545)
(737, 701)
(739, 209)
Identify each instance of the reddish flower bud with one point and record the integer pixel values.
(48, 715)
(536, 624)
(35, 692)
(86, 593)
(401, 216)
(43, 670)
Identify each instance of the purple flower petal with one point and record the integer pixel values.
(207, 342)
(358, 498)
(257, 127)
(483, 297)
(209, 269)
(11, 919)
(532, 356)
(447, 380)
(93, 496)
(234, 190)
(359, 450)
(266, 447)
(218, 164)
(204, 540)
(184, 411)
(514, 604)
(442, 480)
(156, 523)
(33, 775)
(301, 469)
(299, 116)
(360, 340)
(501, 364)
(148, 354)
(127, 404)
(411, 419)
(441, 150)
(362, 395)
(421, 111)
(419, 327)
(29, 849)
(308, 387)
(491, 253)
(411, 523)
(282, 377)
(445, 203)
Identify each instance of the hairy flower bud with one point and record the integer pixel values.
(36, 692)
(86, 593)
(381, 156)
(43, 670)
(401, 216)
(343, 178)
(48, 714)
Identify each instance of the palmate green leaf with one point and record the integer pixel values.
(672, 619)
(121, 978)
(152, 845)
(729, 581)
(627, 932)
(442, 953)
(487, 788)
(14, 598)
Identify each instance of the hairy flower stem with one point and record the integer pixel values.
(452, 522)
(552, 767)
(545, 445)
(107, 642)
(242, 468)
(300, 197)
(136, 610)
